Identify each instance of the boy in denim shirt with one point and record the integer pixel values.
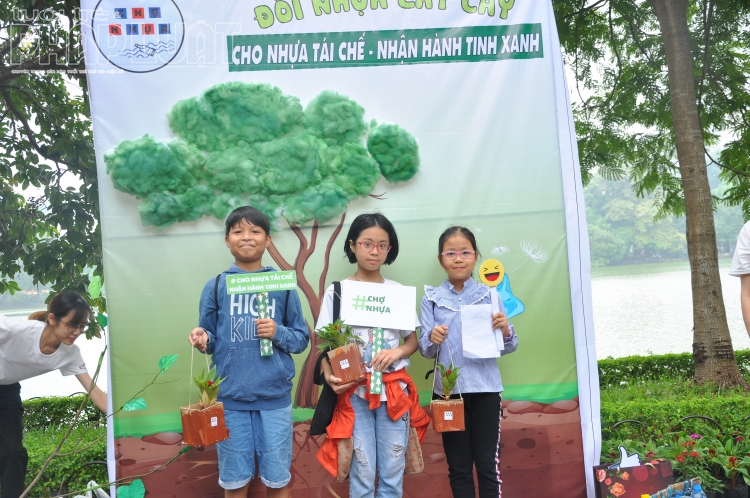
(257, 390)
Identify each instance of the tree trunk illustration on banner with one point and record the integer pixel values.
(250, 144)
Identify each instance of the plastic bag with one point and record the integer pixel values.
(93, 493)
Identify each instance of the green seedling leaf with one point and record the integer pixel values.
(166, 361)
(95, 287)
(101, 319)
(135, 490)
(136, 404)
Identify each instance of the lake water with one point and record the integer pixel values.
(648, 308)
(638, 309)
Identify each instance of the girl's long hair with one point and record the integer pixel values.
(62, 304)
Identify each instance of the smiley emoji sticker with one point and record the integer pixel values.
(491, 272)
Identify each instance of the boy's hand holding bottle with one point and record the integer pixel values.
(266, 328)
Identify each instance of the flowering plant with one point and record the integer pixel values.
(733, 457)
(208, 385)
(336, 334)
(449, 377)
(691, 456)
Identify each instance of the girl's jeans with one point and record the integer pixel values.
(379, 450)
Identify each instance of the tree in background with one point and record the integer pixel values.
(249, 144)
(622, 228)
(658, 81)
(46, 150)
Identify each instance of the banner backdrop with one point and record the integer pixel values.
(433, 112)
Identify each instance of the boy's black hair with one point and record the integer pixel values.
(456, 230)
(250, 215)
(362, 223)
(70, 301)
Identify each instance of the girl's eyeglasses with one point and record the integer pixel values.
(73, 328)
(454, 255)
(369, 246)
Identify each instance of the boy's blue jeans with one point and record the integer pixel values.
(266, 434)
(379, 451)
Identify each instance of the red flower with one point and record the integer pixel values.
(680, 458)
(732, 461)
(608, 481)
(210, 383)
(618, 489)
(650, 454)
(693, 453)
(335, 327)
(712, 452)
(448, 372)
(640, 473)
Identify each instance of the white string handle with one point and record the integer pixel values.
(434, 377)
(190, 380)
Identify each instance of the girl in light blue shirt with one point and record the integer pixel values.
(479, 382)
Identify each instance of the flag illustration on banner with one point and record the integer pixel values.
(155, 34)
(261, 301)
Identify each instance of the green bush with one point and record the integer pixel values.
(54, 412)
(613, 371)
(658, 417)
(68, 473)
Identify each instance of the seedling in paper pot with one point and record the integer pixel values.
(208, 385)
(344, 357)
(449, 377)
(335, 335)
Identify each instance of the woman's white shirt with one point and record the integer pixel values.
(20, 355)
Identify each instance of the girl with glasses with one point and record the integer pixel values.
(34, 347)
(479, 381)
(379, 440)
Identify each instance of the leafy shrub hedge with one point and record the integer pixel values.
(613, 371)
(72, 472)
(658, 417)
(45, 422)
(54, 412)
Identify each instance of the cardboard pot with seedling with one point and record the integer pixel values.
(343, 355)
(448, 414)
(203, 421)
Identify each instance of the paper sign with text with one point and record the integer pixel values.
(244, 283)
(377, 305)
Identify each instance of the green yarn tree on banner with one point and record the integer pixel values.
(249, 144)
